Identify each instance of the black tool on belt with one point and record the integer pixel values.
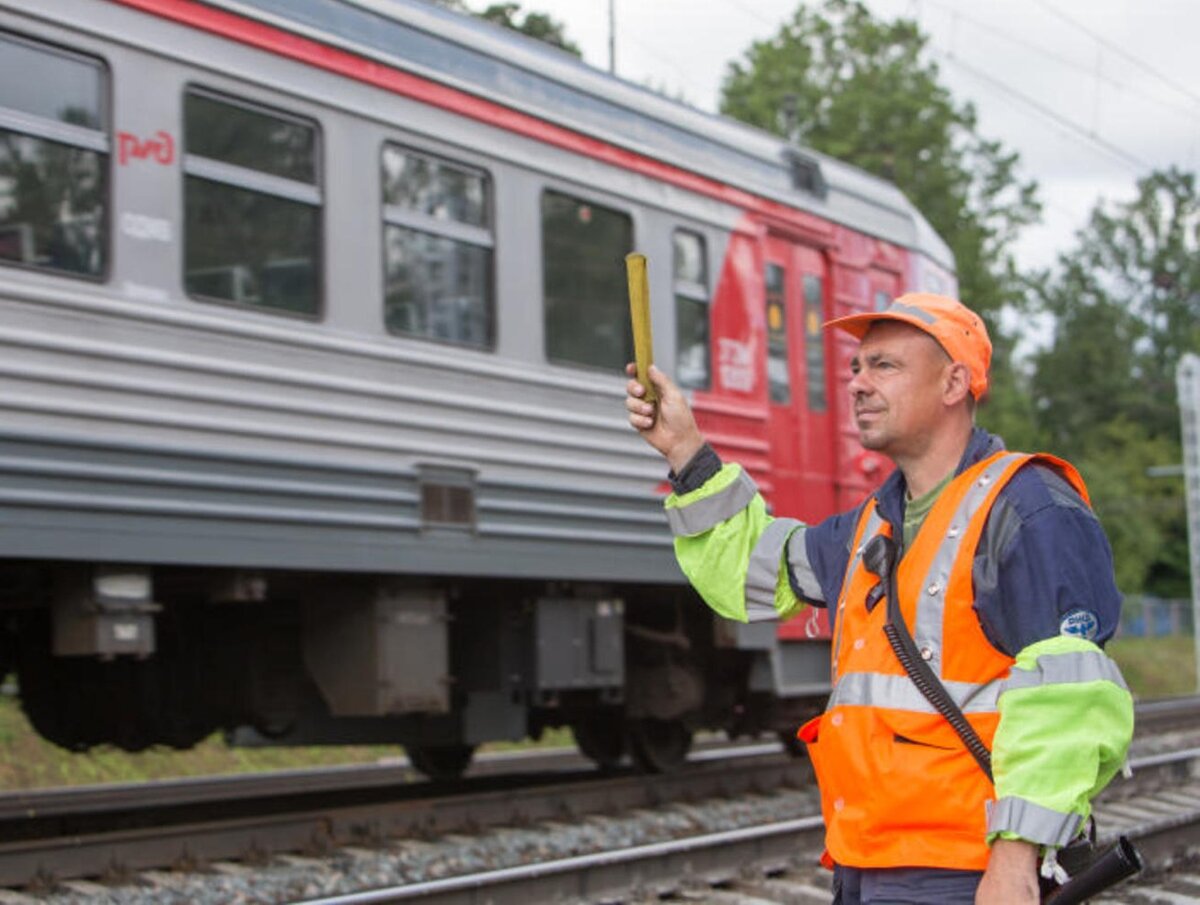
(1090, 872)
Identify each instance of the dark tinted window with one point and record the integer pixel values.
(241, 135)
(814, 341)
(584, 283)
(777, 345)
(437, 249)
(53, 159)
(435, 188)
(249, 247)
(51, 84)
(252, 208)
(692, 367)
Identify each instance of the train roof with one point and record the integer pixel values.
(506, 67)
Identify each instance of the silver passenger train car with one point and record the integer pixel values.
(312, 319)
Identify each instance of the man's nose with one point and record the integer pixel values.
(859, 385)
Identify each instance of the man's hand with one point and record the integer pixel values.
(1011, 877)
(668, 426)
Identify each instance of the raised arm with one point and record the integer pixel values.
(744, 563)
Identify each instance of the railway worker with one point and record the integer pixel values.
(1011, 580)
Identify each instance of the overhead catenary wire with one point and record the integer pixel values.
(1059, 119)
(1119, 50)
(1068, 126)
(657, 54)
(1048, 53)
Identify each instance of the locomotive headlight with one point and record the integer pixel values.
(124, 585)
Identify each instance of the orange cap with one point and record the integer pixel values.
(958, 330)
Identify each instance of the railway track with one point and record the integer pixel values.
(119, 833)
(1159, 809)
(114, 831)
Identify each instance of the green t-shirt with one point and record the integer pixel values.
(916, 510)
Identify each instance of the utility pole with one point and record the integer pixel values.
(612, 36)
(1187, 378)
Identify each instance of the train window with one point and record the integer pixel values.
(814, 341)
(777, 344)
(882, 300)
(437, 244)
(252, 205)
(54, 148)
(692, 367)
(583, 280)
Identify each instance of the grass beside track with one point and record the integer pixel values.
(1154, 668)
(1157, 667)
(29, 762)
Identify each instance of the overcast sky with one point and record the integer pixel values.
(1091, 93)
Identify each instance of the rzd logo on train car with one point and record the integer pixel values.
(160, 148)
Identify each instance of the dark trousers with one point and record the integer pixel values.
(904, 886)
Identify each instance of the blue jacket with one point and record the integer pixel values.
(1043, 557)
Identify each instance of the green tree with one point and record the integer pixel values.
(1126, 303)
(536, 25)
(859, 89)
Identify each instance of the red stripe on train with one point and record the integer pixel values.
(322, 56)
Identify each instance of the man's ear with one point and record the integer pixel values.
(957, 383)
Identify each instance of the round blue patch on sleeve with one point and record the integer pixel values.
(1081, 624)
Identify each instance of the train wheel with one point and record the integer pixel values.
(441, 762)
(659, 746)
(601, 739)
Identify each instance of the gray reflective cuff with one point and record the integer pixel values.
(707, 513)
(762, 573)
(800, 570)
(1032, 822)
(1065, 669)
(760, 612)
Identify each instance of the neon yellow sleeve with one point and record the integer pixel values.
(1066, 721)
(731, 550)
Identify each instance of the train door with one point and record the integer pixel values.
(801, 442)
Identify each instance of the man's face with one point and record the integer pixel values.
(898, 385)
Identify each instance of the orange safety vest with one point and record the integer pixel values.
(898, 786)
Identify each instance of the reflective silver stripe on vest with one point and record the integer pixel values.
(702, 515)
(801, 569)
(1032, 822)
(762, 574)
(874, 523)
(931, 605)
(875, 689)
(1065, 669)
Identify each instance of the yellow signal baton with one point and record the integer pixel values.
(639, 315)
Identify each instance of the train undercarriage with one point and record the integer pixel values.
(139, 657)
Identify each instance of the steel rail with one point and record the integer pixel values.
(316, 822)
(593, 877)
(108, 830)
(1162, 818)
